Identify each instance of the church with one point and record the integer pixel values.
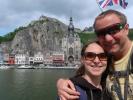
(71, 45)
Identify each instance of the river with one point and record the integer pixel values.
(31, 84)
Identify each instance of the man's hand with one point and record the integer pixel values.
(66, 90)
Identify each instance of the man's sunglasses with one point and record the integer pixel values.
(91, 56)
(113, 29)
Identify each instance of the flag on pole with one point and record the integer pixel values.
(105, 3)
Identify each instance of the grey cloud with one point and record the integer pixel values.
(78, 8)
(18, 12)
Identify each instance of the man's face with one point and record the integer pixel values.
(111, 33)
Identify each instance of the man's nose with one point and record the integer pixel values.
(108, 38)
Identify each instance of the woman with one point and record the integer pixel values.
(91, 76)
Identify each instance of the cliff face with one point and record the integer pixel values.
(42, 35)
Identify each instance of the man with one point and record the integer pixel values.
(112, 31)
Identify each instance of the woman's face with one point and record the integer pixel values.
(94, 60)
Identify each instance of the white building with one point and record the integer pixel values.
(38, 58)
(20, 59)
(1, 56)
(5, 58)
(31, 60)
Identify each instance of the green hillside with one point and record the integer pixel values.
(84, 36)
(10, 36)
(130, 35)
(90, 36)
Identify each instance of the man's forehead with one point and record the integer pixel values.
(106, 21)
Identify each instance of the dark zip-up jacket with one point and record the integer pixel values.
(92, 92)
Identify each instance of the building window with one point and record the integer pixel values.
(71, 51)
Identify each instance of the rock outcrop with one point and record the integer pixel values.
(42, 35)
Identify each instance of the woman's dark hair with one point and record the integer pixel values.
(81, 70)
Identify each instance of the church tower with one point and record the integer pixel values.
(71, 44)
(71, 26)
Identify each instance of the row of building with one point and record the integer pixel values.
(57, 58)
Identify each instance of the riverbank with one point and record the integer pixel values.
(37, 67)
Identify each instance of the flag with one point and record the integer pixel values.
(105, 3)
(123, 4)
(115, 1)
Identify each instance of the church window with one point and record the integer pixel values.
(71, 51)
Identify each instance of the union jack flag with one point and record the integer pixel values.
(105, 3)
(123, 4)
(115, 1)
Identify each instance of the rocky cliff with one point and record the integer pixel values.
(42, 35)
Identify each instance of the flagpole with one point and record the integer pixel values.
(99, 6)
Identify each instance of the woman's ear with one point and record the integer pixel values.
(82, 60)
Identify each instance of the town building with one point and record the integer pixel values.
(58, 58)
(11, 60)
(48, 59)
(71, 45)
(5, 58)
(38, 58)
(31, 60)
(1, 56)
(20, 59)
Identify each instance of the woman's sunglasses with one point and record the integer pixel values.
(113, 29)
(91, 56)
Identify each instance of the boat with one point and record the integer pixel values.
(24, 67)
(4, 67)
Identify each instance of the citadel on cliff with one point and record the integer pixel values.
(45, 41)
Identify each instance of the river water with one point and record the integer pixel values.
(31, 84)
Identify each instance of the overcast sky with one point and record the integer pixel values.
(16, 13)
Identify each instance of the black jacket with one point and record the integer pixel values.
(91, 90)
